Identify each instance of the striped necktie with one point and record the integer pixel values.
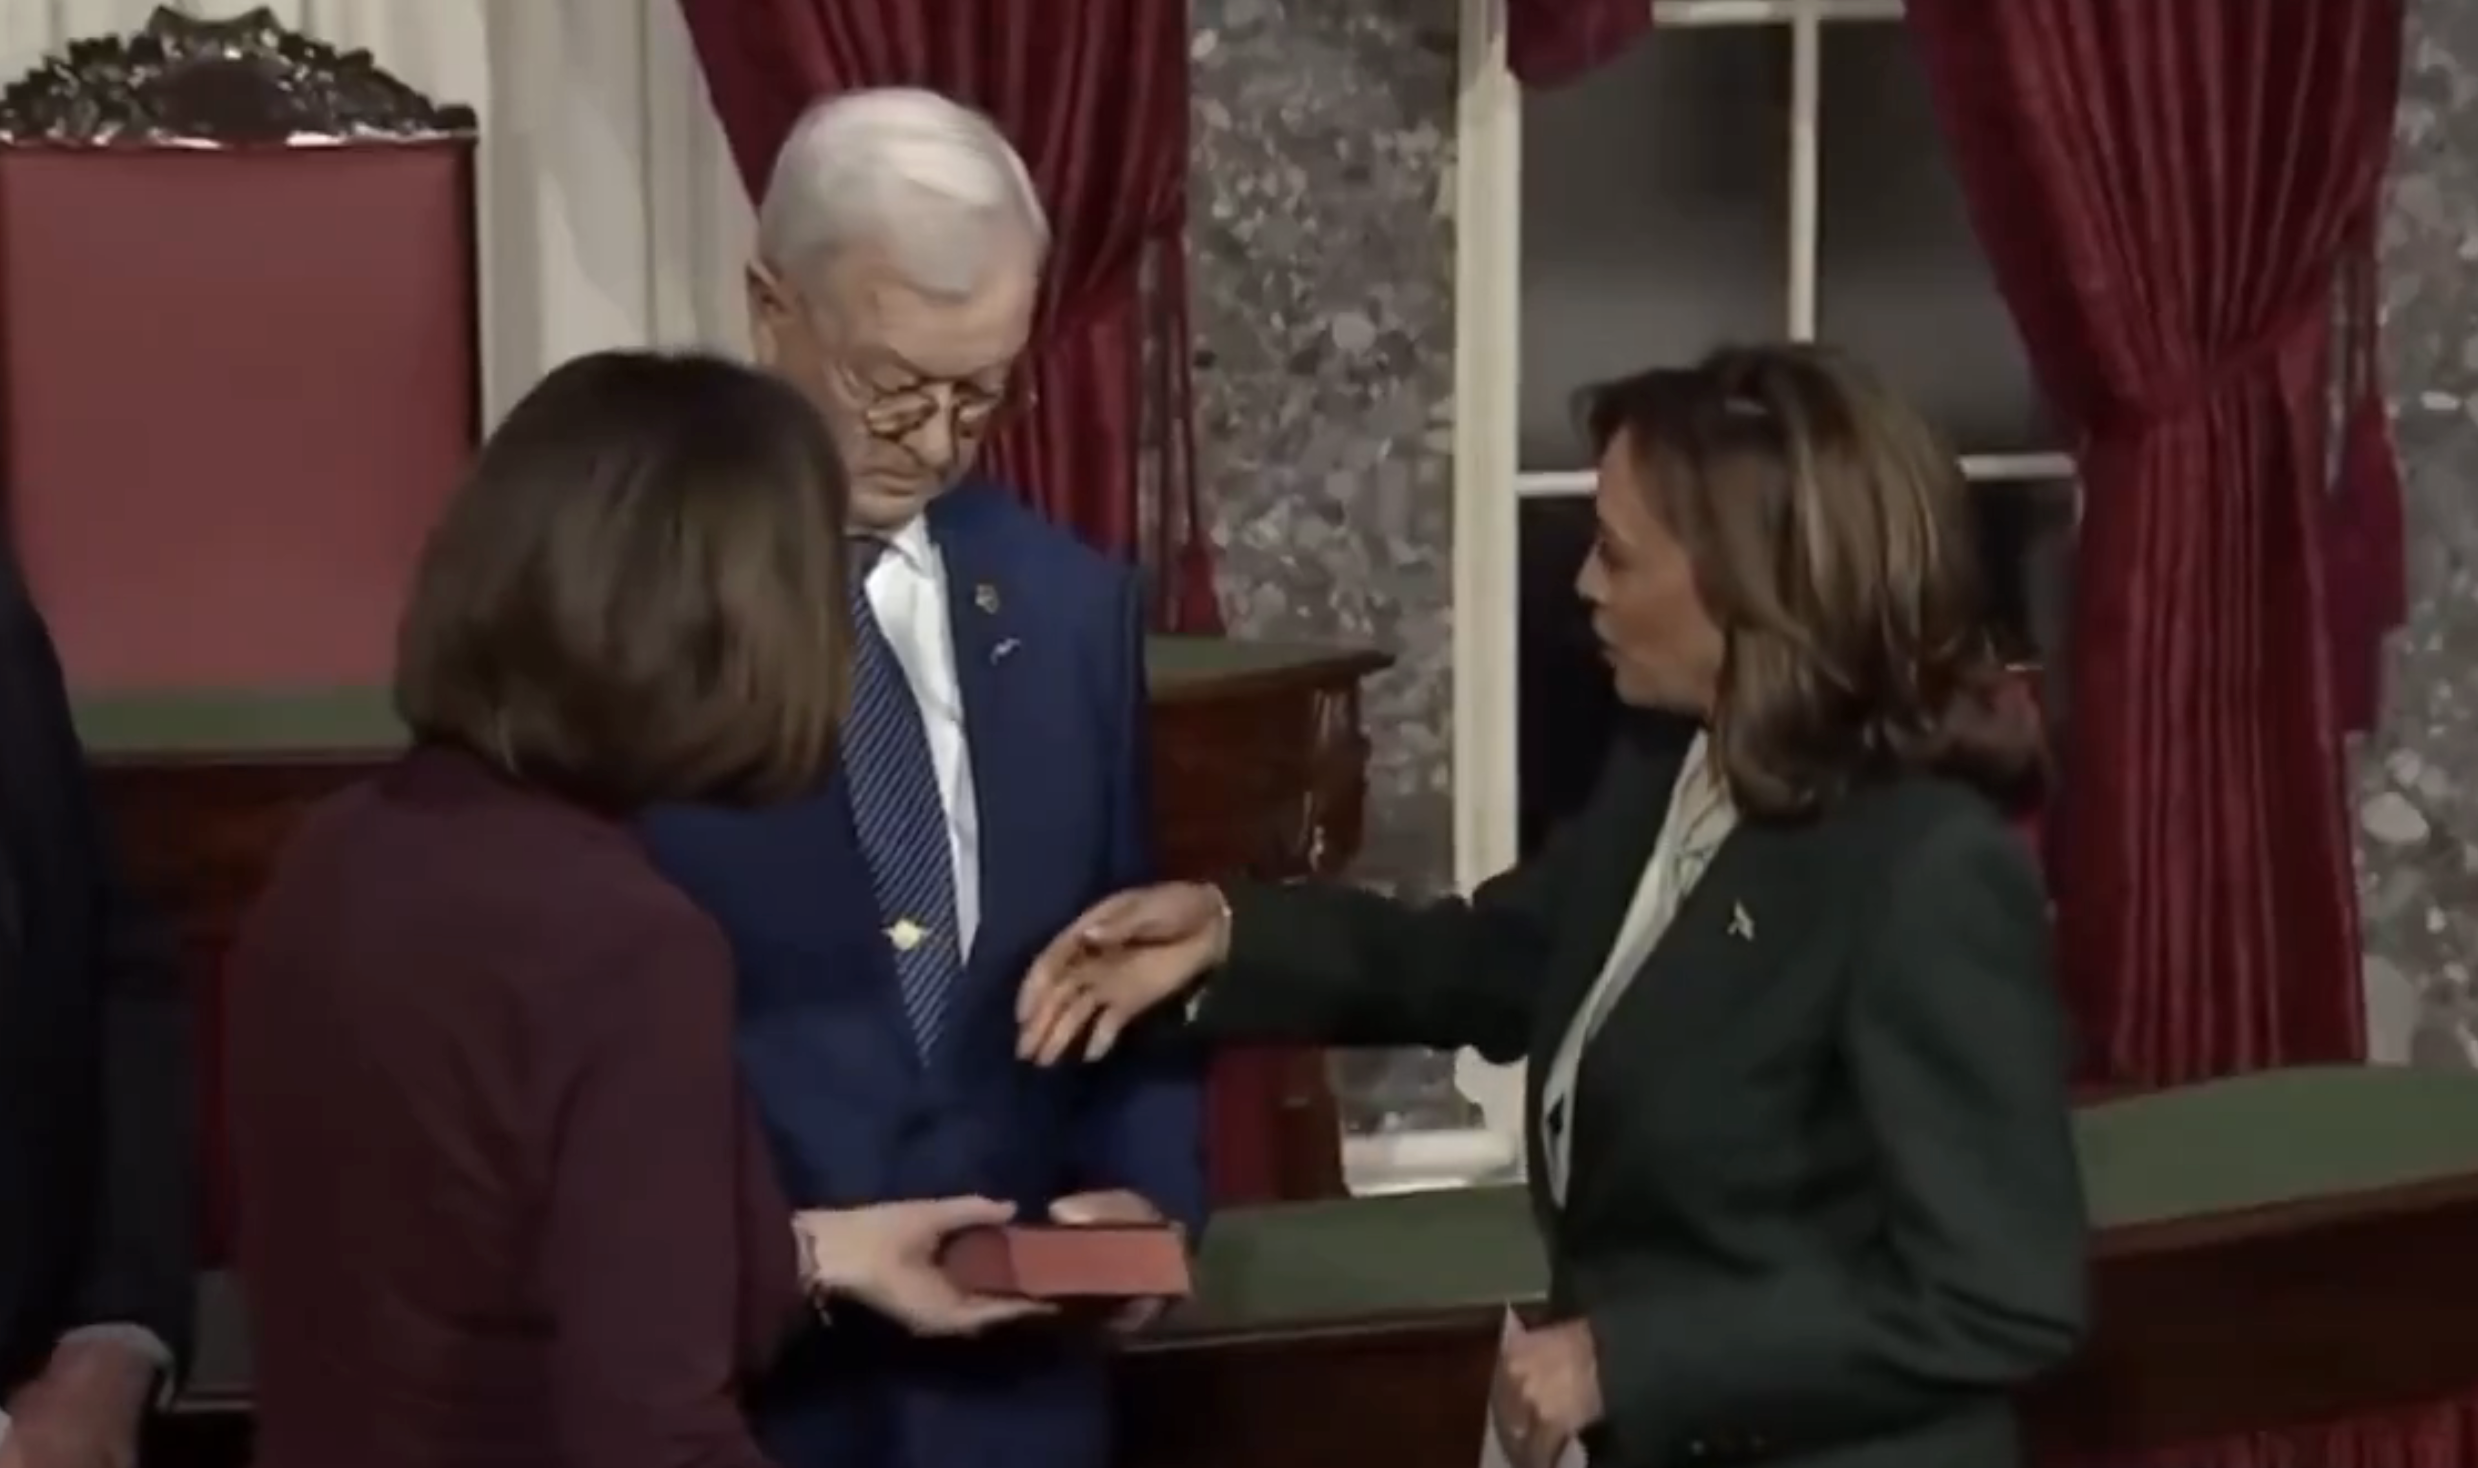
(902, 821)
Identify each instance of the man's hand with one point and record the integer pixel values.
(1114, 1205)
(886, 1257)
(1547, 1391)
(83, 1411)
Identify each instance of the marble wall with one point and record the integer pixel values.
(1325, 319)
(1324, 299)
(2416, 782)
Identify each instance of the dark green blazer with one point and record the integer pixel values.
(1824, 1207)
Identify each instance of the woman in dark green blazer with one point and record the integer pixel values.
(1798, 1118)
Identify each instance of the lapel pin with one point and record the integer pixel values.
(1004, 649)
(985, 596)
(906, 935)
(1741, 926)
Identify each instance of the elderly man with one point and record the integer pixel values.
(96, 1219)
(993, 786)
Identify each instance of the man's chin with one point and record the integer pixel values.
(889, 505)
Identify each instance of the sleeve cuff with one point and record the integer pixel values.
(1197, 993)
(138, 1340)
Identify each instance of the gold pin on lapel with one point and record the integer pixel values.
(1741, 926)
(906, 935)
(985, 596)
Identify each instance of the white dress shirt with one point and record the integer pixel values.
(908, 592)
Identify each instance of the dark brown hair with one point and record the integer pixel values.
(1832, 539)
(638, 594)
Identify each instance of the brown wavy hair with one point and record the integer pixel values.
(1832, 538)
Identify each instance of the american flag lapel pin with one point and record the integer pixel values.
(1741, 926)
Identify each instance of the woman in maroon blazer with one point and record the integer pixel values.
(501, 1201)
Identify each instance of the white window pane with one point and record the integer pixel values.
(1391, 1091)
(1565, 707)
(1900, 277)
(1655, 218)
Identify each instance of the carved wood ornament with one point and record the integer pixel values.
(182, 81)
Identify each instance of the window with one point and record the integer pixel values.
(1900, 278)
(1564, 702)
(1754, 169)
(1654, 223)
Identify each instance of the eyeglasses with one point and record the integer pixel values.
(893, 414)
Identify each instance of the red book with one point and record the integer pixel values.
(1078, 1261)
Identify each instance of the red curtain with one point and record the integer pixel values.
(2178, 198)
(1552, 42)
(1094, 93)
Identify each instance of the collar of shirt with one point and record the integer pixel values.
(910, 545)
(1704, 811)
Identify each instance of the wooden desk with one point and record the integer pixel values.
(2274, 1252)
(1260, 768)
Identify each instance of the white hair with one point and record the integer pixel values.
(932, 182)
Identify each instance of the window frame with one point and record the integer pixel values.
(1489, 483)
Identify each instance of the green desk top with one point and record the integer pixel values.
(1302, 1264)
(2283, 1135)
(2220, 1148)
(356, 719)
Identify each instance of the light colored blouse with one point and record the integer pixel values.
(1699, 819)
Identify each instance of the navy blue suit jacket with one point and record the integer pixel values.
(1049, 652)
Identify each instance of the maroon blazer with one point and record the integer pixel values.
(501, 1200)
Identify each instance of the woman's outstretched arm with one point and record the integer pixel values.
(1325, 963)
